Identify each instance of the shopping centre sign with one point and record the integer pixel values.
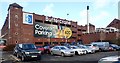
(57, 20)
(51, 31)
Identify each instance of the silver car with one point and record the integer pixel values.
(78, 51)
(62, 50)
(110, 59)
(89, 50)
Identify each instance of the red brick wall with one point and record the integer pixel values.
(88, 38)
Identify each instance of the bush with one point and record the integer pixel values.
(9, 47)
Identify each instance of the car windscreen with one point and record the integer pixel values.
(75, 47)
(28, 46)
(64, 48)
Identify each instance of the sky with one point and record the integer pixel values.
(101, 12)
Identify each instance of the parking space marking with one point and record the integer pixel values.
(17, 59)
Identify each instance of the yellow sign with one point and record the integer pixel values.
(67, 32)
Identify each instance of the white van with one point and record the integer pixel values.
(103, 46)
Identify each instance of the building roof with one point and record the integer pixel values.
(115, 23)
(15, 5)
(90, 25)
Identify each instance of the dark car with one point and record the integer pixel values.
(115, 47)
(26, 51)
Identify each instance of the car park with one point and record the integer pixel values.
(62, 50)
(78, 50)
(26, 51)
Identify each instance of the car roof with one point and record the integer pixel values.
(60, 46)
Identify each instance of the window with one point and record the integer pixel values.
(62, 43)
(38, 21)
(55, 43)
(56, 48)
(16, 33)
(16, 25)
(46, 43)
(38, 42)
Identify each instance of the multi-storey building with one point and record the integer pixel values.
(26, 27)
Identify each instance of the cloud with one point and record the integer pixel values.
(47, 0)
(23, 4)
(48, 10)
(83, 17)
(101, 4)
(94, 18)
(101, 15)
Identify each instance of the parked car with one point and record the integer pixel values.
(93, 46)
(47, 49)
(89, 50)
(62, 50)
(110, 59)
(41, 48)
(103, 46)
(78, 50)
(26, 51)
(111, 48)
(115, 47)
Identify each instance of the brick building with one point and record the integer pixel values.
(24, 27)
(115, 23)
(103, 35)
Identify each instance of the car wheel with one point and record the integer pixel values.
(76, 53)
(52, 53)
(85, 52)
(22, 58)
(93, 52)
(62, 54)
(17, 55)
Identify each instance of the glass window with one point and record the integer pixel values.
(55, 43)
(38, 42)
(28, 46)
(63, 48)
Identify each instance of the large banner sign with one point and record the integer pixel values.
(27, 18)
(51, 31)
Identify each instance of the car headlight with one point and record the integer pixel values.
(39, 52)
(27, 52)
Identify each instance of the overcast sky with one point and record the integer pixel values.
(101, 12)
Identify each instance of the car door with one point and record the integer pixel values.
(54, 49)
(57, 50)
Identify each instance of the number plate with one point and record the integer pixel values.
(34, 56)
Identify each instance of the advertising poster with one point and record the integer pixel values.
(51, 31)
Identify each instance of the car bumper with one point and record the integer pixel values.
(69, 54)
(33, 56)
